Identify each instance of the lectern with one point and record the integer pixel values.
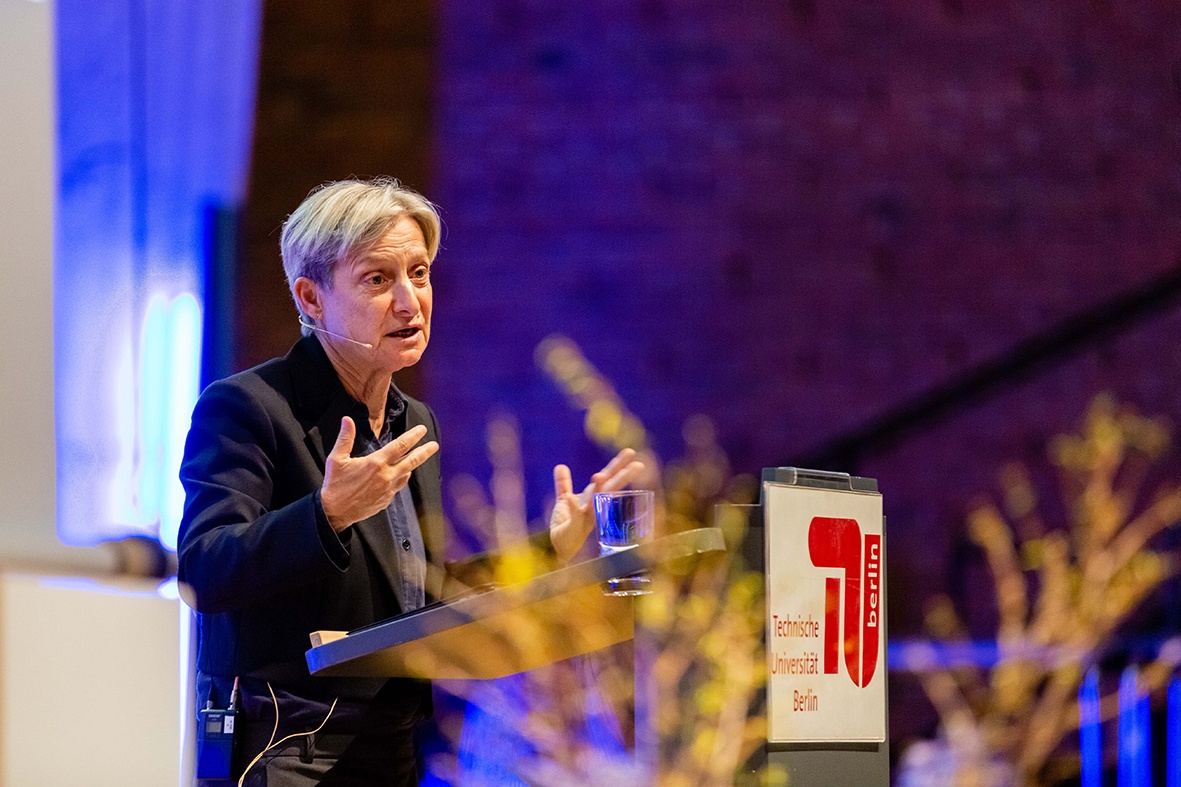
(818, 539)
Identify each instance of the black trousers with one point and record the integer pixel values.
(388, 757)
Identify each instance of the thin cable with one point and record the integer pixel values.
(272, 743)
(312, 327)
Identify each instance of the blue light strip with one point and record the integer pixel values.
(152, 402)
(148, 495)
(1090, 731)
(1144, 724)
(1173, 737)
(1135, 769)
(181, 390)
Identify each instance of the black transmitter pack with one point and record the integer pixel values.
(215, 742)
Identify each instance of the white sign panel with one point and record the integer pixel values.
(826, 649)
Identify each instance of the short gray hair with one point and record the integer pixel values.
(341, 219)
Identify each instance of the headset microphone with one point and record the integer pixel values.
(312, 327)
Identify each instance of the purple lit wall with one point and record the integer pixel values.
(794, 216)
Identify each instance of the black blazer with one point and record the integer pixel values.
(261, 565)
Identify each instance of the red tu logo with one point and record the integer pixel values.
(837, 543)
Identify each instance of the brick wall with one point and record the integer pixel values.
(793, 216)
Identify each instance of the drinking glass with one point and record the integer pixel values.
(624, 520)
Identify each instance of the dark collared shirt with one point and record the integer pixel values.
(410, 554)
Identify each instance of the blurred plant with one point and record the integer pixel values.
(701, 655)
(1061, 595)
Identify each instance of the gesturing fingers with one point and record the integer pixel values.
(623, 478)
(617, 463)
(563, 483)
(618, 473)
(411, 461)
(394, 451)
(357, 487)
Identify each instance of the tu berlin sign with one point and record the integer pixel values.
(825, 615)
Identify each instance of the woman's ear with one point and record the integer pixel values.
(307, 295)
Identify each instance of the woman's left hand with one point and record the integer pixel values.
(573, 517)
